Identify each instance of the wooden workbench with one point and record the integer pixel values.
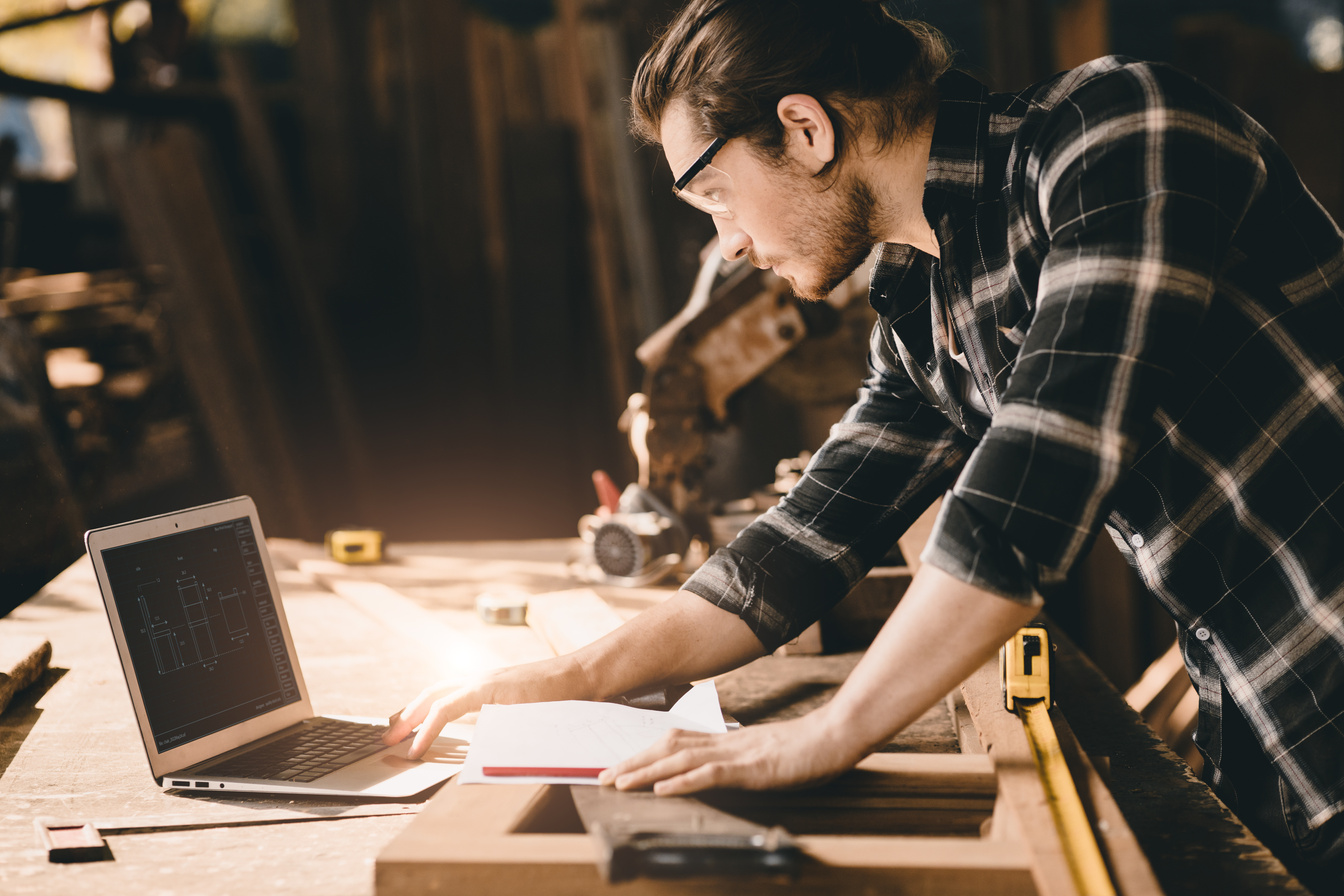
(369, 639)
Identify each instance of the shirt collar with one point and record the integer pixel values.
(960, 140)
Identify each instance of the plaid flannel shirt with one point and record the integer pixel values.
(1150, 304)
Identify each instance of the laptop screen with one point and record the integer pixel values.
(201, 629)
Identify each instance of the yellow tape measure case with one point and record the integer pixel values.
(1025, 664)
(355, 545)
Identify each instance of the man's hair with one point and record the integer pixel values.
(731, 61)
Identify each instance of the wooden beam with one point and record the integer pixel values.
(1082, 31)
(173, 211)
(272, 193)
(1022, 807)
(604, 239)
(475, 839)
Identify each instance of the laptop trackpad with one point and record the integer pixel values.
(390, 769)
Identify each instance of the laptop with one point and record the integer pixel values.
(213, 674)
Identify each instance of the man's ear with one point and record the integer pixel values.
(809, 135)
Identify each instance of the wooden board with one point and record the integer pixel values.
(505, 839)
(175, 212)
(870, 828)
(68, 748)
(1022, 813)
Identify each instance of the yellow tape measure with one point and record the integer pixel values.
(355, 545)
(1025, 664)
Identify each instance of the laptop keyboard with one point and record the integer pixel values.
(322, 747)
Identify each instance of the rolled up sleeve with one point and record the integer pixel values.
(882, 466)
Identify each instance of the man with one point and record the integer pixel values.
(1106, 300)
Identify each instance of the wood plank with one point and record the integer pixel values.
(1082, 31)
(1026, 815)
(1128, 866)
(467, 840)
(1194, 843)
(931, 794)
(24, 659)
(174, 213)
(461, 645)
(568, 620)
(611, 285)
(69, 748)
(273, 195)
(485, 46)
(1024, 807)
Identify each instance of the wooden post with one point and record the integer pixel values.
(173, 211)
(1082, 31)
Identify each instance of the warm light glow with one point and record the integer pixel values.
(69, 368)
(1325, 44)
(242, 20)
(70, 51)
(130, 18)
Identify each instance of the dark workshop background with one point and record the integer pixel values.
(386, 262)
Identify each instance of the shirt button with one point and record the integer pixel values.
(1202, 634)
(1136, 539)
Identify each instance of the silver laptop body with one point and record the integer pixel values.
(210, 664)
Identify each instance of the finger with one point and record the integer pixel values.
(394, 734)
(668, 744)
(703, 777)
(440, 713)
(668, 767)
(401, 722)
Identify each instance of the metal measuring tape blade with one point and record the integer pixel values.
(1025, 666)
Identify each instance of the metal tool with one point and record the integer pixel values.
(1025, 665)
(638, 542)
(738, 323)
(639, 834)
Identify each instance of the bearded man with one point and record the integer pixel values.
(1104, 301)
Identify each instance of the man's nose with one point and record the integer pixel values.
(733, 241)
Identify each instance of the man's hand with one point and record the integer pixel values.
(439, 704)
(685, 638)
(788, 754)
(940, 632)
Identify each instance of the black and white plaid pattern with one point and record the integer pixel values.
(1151, 304)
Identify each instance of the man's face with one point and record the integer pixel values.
(814, 232)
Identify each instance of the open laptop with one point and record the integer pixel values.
(212, 670)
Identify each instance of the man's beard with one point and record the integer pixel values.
(844, 235)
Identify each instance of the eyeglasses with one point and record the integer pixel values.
(704, 186)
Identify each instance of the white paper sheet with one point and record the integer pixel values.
(577, 734)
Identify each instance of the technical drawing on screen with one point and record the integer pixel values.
(202, 629)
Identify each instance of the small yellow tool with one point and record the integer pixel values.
(355, 545)
(1025, 664)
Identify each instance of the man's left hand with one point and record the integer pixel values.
(788, 754)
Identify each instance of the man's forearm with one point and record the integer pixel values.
(682, 639)
(942, 630)
(685, 638)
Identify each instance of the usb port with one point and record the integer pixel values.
(202, 783)
(181, 783)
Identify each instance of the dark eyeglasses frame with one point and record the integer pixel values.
(700, 164)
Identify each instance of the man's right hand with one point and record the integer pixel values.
(561, 678)
(685, 638)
